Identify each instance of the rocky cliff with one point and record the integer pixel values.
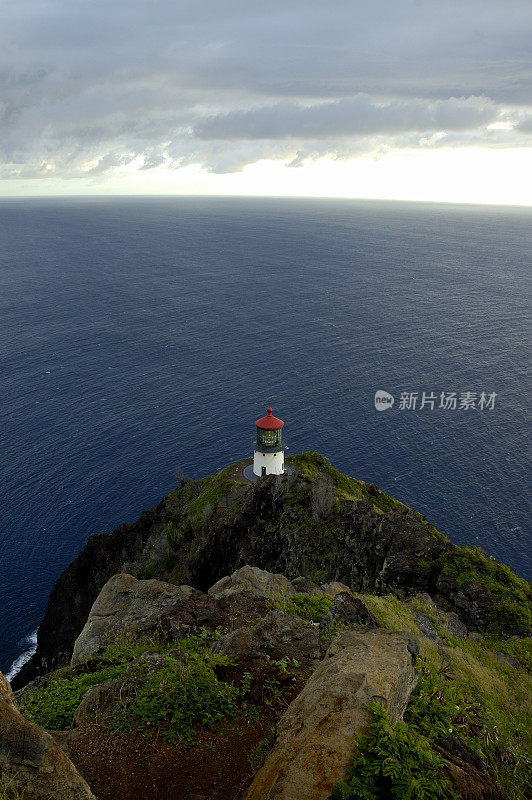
(316, 523)
(297, 638)
(270, 687)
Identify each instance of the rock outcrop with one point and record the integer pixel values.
(257, 619)
(314, 743)
(126, 603)
(277, 636)
(150, 607)
(349, 611)
(30, 760)
(254, 580)
(366, 540)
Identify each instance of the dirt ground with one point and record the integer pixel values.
(219, 766)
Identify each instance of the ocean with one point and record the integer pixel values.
(140, 335)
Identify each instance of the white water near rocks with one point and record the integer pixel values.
(29, 646)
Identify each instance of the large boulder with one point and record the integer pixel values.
(252, 579)
(30, 760)
(277, 636)
(315, 737)
(126, 603)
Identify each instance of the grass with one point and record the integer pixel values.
(471, 565)
(257, 757)
(390, 612)
(307, 606)
(9, 792)
(466, 677)
(312, 464)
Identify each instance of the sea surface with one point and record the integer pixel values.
(142, 335)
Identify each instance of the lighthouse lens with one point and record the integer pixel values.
(268, 438)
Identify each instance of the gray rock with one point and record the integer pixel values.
(126, 603)
(315, 736)
(454, 625)
(426, 599)
(98, 699)
(504, 658)
(278, 635)
(30, 760)
(350, 611)
(426, 627)
(303, 585)
(333, 588)
(254, 580)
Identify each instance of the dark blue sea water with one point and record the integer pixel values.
(144, 334)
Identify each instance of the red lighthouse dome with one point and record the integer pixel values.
(269, 422)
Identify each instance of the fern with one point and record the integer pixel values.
(393, 763)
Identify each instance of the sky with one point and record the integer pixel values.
(410, 99)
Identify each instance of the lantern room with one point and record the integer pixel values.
(268, 455)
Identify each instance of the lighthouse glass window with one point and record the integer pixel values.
(269, 438)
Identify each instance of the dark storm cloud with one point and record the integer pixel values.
(91, 86)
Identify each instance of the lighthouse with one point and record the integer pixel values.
(268, 450)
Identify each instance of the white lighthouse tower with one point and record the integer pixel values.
(268, 451)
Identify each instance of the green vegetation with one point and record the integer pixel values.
(169, 691)
(214, 487)
(257, 757)
(180, 691)
(196, 502)
(53, 706)
(466, 687)
(390, 612)
(393, 761)
(183, 693)
(124, 646)
(470, 564)
(312, 464)
(307, 606)
(396, 761)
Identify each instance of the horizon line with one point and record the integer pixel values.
(221, 195)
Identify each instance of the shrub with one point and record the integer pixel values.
(53, 706)
(393, 761)
(470, 564)
(182, 694)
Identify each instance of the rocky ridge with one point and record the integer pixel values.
(325, 652)
(295, 603)
(318, 523)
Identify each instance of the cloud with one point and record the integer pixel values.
(87, 88)
(348, 117)
(525, 126)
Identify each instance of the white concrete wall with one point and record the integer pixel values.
(274, 462)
